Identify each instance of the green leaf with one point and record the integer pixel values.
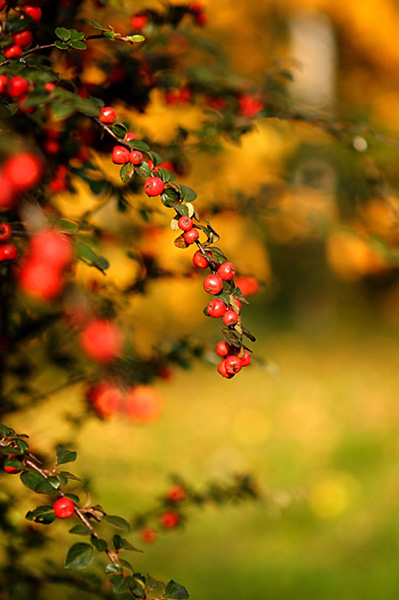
(101, 263)
(42, 514)
(137, 37)
(126, 172)
(182, 209)
(78, 45)
(80, 530)
(13, 462)
(5, 431)
(126, 564)
(32, 479)
(156, 158)
(85, 252)
(67, 226)
(118, 522)
(121, 583)
(110, 35)
(111, 568)
(79, 556)
(187, 194)
(97, 25)
(120, 543)
(169, 196)
(119, 129)
(175, 591)
(61, 45)
(166, 175)
(153, 585)
(143, 170)
(237, 293)
(99, 544)
(248, 334)
(65, 456)
(76, 35)
(139, 145)
(61, 110)
(63, 33)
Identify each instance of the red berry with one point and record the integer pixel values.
(53, 248)
(135, 157)
(143, 404)
(230, 318)
(5, 231)
(130, 136)
(27, 110)
(239, 303)
(138, 22)
(213, 284)
(185, 223)
(169, 519)
(222, 370)
(64, 508)
(148, 535)
(196, 8)
(226, 271)
(106, 399)
(23, 170)
(233, 364)
(9, 469)
(246, 359)
(23, 39)
(41, 280)
(3, 83)
(49, 87)
(8, 252)
(108, 115)
(34, 12)
(120, 155)
(13, 51)
(222, 348)
(102, 340)
(154, 186)
(216, 308)
(52, 146)
(247, 285)
(200, 261)
(191, 235)
(7, 193)
(177, 493)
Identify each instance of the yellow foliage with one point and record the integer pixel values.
(351, 256)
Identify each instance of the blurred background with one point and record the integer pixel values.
(309, 207)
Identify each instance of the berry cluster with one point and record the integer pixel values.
(8, 251)
(23, 39)
(140, 403)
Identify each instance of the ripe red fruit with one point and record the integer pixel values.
(249, 106)
(120, 155)
(169, 519)
(40, 280)
(138, 22)
(233, 364)
(108, 115)
(222, 370)
(185, 223)
(200, 261)
(238, 302)
(136, 157)
(246, 359)
(105, 398)
(154, 186)
(34, 12)
(226, 271)
(177, 493)
(3, 83)
(191, 235)
(148, 535)
(7, 193)
(143, 404)
(247, 285)
(102, 340)
(8, 252)
(23, 170)
(230, 318)
(23, 39)
(13, 51)
(52, 147)
(216, 308)
(52, 247)
(64, 508)
(130, 136)
(222, 348)
(5, 231)
(213, 284)
(49, 87)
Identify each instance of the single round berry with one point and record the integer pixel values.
(200, 261)
(53, 248)
(230, 318)
(233, 364)
(154, 186)
(8, 252)
(138, 22)
(13, 51)
(177, 493)
(34, 12)
(169, 520)
(5, 232)
(226, 271)
(102, 340)
(222, 348)
(143, 404)
(148, 535)
(23, 170)
(130, 136)
(246, 359)
(120, 155)
(105, 398)
(12, 470)
(191, 235)
(40, 280)
(136, 157)
(222, 370)
(23, 39)
(213, 284)
(247, 285)
(185, 223)
(49, 87)
(64, 508)
(216, 308)
(3, 83)
(108, 115)
(52, 146)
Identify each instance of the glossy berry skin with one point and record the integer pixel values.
(108, 115)
(23, 39)
(154, 186)
(64, 508)
(230, 318)
(135, 157)
(191, 235)
(222, 348)
(233, 364)
(120, 155)
(246, 359)
(23, 170)
(13, 51)
(169, 520)
(226, 271)
(34, 12)
(216, 308)
(213, 284)
(185, 223)
(200, 261)
(8, 252)
(222, 370)
(5, 232)
(130, 136)
(101, 340)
